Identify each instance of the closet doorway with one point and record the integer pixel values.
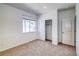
(48, 30)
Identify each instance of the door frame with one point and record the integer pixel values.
(61, 26)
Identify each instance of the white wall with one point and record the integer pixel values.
(11, 27)
(1, 26)
(50, 15)
(77, 29)
(41, 29)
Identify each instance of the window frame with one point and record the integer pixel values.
(29, 25)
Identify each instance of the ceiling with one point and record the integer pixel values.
(40, 8)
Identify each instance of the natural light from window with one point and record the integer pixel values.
(29, 25)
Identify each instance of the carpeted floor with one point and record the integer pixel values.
(40, 48)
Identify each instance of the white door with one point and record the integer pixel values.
(67, 21)
(67, 31)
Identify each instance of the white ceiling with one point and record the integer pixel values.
(38, 8)
(50, 6)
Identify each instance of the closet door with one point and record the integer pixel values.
(67, 26)
(67, 31)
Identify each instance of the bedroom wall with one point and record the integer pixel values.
(77, 29)
(49, 15)
(11, 34)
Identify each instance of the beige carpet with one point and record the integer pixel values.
(40, 48)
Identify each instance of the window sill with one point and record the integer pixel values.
(28, 32)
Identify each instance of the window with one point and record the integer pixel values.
(32, 26)
(29, 25)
